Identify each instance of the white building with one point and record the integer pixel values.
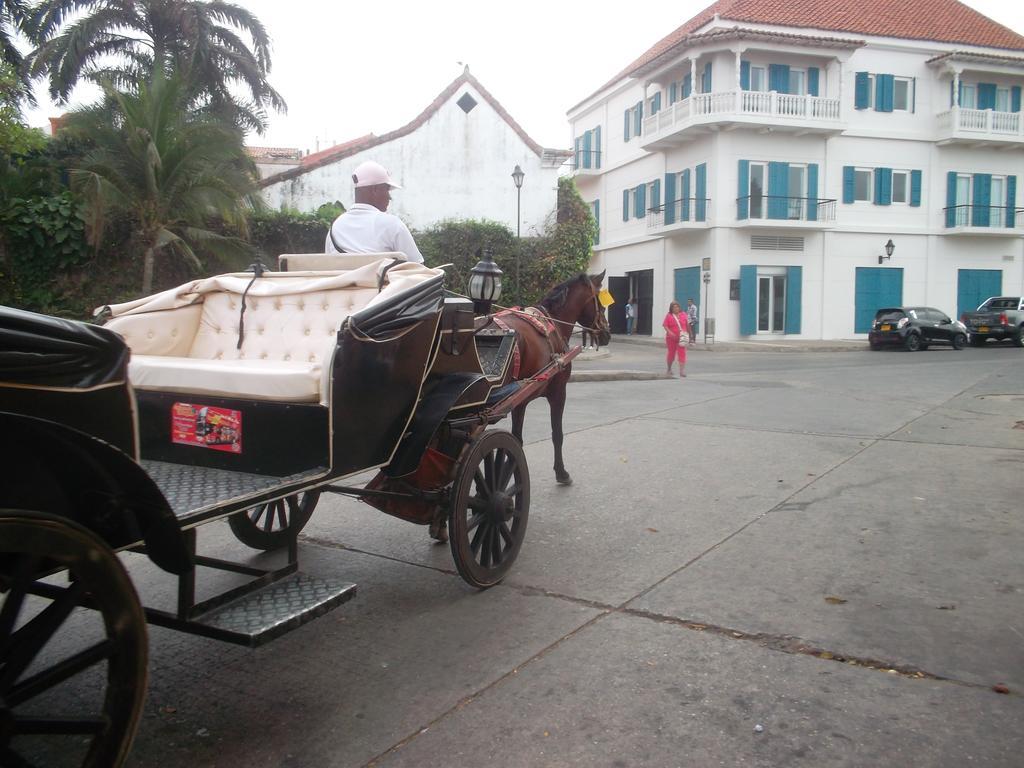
(454, 161)
(780, 146)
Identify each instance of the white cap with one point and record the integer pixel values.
(370, 174)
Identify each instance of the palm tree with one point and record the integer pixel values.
(16, 18)
(119, 41)
(170, 170)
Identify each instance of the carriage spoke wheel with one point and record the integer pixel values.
(269, 526)
(41, 675)
(490, 509)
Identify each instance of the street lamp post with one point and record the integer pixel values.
(707, 281)
(517, 179)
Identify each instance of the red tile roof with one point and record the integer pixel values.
(273, 153)
(340, 151)
(945, 21)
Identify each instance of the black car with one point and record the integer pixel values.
(915, 328)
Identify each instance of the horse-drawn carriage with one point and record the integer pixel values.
(240, 397)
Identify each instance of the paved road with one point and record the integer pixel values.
(783, 560)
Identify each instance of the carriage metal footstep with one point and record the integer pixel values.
(274, 610)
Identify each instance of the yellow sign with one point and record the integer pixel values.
(605, 297)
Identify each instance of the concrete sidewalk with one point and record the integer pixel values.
(774, 344)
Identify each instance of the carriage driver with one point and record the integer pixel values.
(367, 227)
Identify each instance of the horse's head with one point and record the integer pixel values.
(593, 316)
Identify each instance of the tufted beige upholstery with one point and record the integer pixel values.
(297, 262)
(186, 339)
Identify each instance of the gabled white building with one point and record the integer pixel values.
(454, 161)
(759, 158)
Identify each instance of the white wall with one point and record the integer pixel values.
(457, 165)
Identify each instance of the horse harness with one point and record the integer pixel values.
(541, 322)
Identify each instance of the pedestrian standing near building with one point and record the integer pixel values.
(675, 326)
(692, 318)
(630, 316)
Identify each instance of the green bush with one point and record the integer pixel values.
(43, 240)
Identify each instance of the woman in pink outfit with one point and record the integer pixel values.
(676, 331)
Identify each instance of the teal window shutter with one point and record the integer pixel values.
(638, 118)
(673, 92)
(812, 81)
(915, 189)
(778, 78)
(960, 94)
(587, 149)
(705, 81)
(745, 75)
(670, 198)
(656, 194)
(849, 184)
(884, 89)
(1011, 201)
(625, 205)
(883, 186)
(626, 124)
(597, 222)
(701, 192)
(640, 201)
(861, 90)
(951, 93)
(986, 96)
(812, 195)
(597, 147)
(794, 298)
(656, 103)
(684, 195)
(578, 146)
(951, 199)
(687, 86)
(748, 299)
(778, 190)
(982, 200)
(1015, 98)
(743, 191)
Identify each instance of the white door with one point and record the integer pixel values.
(771, 303)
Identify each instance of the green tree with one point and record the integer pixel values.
(219, 49)
(16, 18)
(170, 170)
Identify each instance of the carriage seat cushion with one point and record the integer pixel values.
(186, 340)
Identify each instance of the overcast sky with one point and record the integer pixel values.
(348, 69)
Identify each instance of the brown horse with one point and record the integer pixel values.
(566, 305)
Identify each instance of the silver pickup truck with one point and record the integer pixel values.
(999, 318)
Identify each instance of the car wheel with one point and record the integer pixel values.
(874, 345)
(959, 341)
(1018, 340)
(912, 342)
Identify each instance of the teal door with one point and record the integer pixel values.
(973, 286)
(876, 287)
(687, 286)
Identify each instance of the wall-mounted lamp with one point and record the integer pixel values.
(889, 248)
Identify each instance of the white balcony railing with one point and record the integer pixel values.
(770, 105)
(981, 122)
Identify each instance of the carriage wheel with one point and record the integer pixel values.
(269, 526)
(44, 712)
(490, 508)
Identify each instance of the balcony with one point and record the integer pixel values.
(678, 216)
(585, 162)
(777, 211)
(984, 220)
(979, 126)
(703, 112)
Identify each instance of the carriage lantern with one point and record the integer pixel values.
(484, 283)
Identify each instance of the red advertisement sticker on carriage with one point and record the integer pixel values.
(206, 426)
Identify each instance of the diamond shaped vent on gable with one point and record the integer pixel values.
(467, 102)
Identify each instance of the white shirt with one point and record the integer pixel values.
(365, 229)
